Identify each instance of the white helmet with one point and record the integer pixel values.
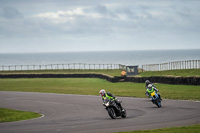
(102, 92)
(150, 86)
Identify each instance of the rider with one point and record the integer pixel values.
(105, 95)
(147, 82)
(150, 89)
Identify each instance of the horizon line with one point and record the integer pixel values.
(94, 51)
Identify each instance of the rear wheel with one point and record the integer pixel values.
(111, 113)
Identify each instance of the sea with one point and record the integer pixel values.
(139, 57)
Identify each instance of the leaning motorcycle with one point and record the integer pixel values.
(113, 109)
(156, 99)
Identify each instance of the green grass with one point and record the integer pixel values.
(91, 86)
(172, 73)
(9, 115)
(185, 129)
(114, 72)
(111, 72)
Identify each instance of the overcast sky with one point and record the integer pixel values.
(98, 25)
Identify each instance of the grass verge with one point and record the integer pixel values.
(185, 129)
(9, 115)
(91, 86)
(111, 72)
(172, 73)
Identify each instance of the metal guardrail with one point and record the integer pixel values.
(176, 65)
(71, 66)
(189, 64)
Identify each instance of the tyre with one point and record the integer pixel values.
(124, 114)
(111, 113)
(158, 104)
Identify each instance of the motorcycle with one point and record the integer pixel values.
(156, 99)
(113, 109)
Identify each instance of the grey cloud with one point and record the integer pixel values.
(116, 22)
(101, 9)
(11, 13)
(184, 12)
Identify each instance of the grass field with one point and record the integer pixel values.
(173, 73)
(9, 115)
(91, 86)
(185, 129)
(113, 72)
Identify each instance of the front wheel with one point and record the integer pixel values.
(124, 114)
(111, 113)
(158, 104)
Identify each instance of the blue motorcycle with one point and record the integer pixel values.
(156, 99)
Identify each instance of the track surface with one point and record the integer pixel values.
(85, 114)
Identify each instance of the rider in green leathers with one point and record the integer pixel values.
(105, 95)
(150, 89)
(147, 82)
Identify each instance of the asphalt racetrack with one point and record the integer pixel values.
(85, 114)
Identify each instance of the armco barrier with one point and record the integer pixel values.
(164, 80)
(101, 76)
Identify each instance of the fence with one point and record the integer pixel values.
(72, 66)
(189, 64)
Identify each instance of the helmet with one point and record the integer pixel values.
(147, 82)
(149, 86)
(102, 92)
